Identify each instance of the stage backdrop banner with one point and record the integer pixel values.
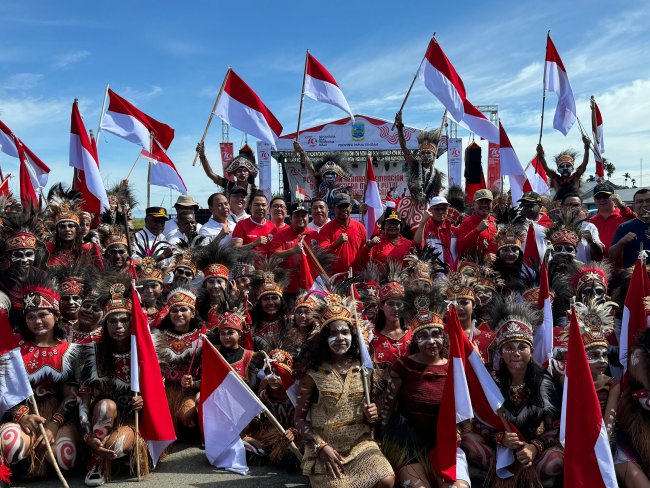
(494, 166)
(264, 161)
(226, 149)
(455, 162)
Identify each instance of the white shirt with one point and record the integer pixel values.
(314, 227)
(233, 219)
(145, 240)
(212, 229)
(583, 252)
(175, 235)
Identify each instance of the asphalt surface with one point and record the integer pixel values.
(187, 466)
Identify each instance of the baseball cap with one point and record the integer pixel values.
(531, 196)
(438, 201)
(342, 199)
(483, 194)
(157, 212)
(603, 188)
(239, 189)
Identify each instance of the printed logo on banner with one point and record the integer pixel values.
(311, 141)
(358, 131)
(264, 155)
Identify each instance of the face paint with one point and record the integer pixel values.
(22, 259)
(593, 291)
(340, 339)
(429, 336)
(565, 169)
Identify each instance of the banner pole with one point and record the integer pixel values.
(101, 115)
(214, 107)
(302, 94)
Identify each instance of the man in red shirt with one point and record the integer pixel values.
(612, 212)
(436, 231)
(388, 245)
(477, 231)
(286, 244)
(254, 231)
(342, 236)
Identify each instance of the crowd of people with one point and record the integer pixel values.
(240, 280)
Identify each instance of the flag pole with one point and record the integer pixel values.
(265, 410)
(214, 107)
(302, 94)
(541, 126)
(50, 453)
(415, 76)
(364, 371)
(101, 114)
(149, 170)
(321, 270)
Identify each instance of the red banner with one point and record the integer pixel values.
(494, 167)
(226, 153)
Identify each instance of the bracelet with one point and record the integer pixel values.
(57, 418)
(20, 413)
(320, 447)
(538, 445)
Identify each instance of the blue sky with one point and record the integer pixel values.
(170, 58)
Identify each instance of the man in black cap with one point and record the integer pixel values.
(342, 235)
(288, 241)
(237, 200)
(150, 238)
(612, 212)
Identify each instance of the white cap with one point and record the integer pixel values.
(390, 204)
(438, 201)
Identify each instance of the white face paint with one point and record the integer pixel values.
(340, 338)
(430, 337)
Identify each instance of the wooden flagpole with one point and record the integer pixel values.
(541, 126)
(149, 171)
(214, 107)
(364, 371)
(101, 115)
(415, 76)
(302, 94)
(48, 447)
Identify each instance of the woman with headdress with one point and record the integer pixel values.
(150, 286)
(510, 255)
(332, 417)
(564, 236)
(268, 314)
(458, 290)
(178, 347)
(410, 405)
(66, 248)
(240, 172)
(106, 402)
(51, 364)
(488, 285)
(89, 328)
(388, 245)
(229, 334)
(70, 285)
(532, 403)
(303, 323)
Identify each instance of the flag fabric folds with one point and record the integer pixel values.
(240, 107)
(14, 382)
(599, 144)
(587, 456)
(322, 87)
(556, 80)
(128, 122)
(511, 167)
(227, 407)
(441, 79)
(156, 425)
(475, 121)
(163, 172)
(537, 178)
(83, 158)
(372, 199)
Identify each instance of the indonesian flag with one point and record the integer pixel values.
(14, 382)
(322, 87)
(634, 315)
(156, 425)
(306, 277)
(128, 122)
(557, 81)
(537, 177)
(543, 338)
(240, 107)
(441, 79)
(374, 208)
(587, 456)
(597, 128)
(83, 159)
(163, 172)
(4, 186)
(301, 193)
(532, 256)
(33, 171)
(227, 407)
(474, 121)
(511, 167)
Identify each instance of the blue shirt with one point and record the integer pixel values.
(631, 249)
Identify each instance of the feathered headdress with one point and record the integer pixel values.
(19, 230)
(215, 260)
(565, 228)
(75, 280)
(566, 156)
(245, 158)
(592, 272)
(515, 321)
(63, 205)
(425, 308)
(333, 163)
(456, 286)
(428, 140)
(423, 264)
(120, 196)
(40, 295)
(270, 278)
(114, 292)
(391, 285)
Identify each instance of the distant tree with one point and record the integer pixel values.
(609, 168)
(627, 177)
(633, 183)
(591, 178)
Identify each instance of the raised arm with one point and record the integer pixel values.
(219, 180)
(542, 160)
(585, 158)
(399, 125)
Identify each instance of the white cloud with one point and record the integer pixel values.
(138, 96)
(21, 82)
(68, 59)
(179, 47)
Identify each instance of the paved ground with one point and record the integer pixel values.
(188, 466)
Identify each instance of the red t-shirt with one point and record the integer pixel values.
(284, 239)
(443, 237)
(385, 250)
(607, 226)
(248, 231)
(347, 252)
(469, 239)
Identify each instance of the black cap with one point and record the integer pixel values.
(531, 196)
(157, 212)
(603, 188)
(297, 207)
(239, 189)
(342, 199)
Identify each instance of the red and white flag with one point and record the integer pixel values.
(227, 407)
(374, 208)
(475, 121)
(301, 193)
(163, 172)
(441, 79)
(556, 80)
(33, 171)
(597, 129)
(634, 314)
(307, 276)
(587, 456)
(156, 425)
(511, 167)
(537, 177)
(240, 107)
(128, 122)
(543, 338)
(83, 159)
(322, 87)
(532, 258)
(4, 186)
(14, 382)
